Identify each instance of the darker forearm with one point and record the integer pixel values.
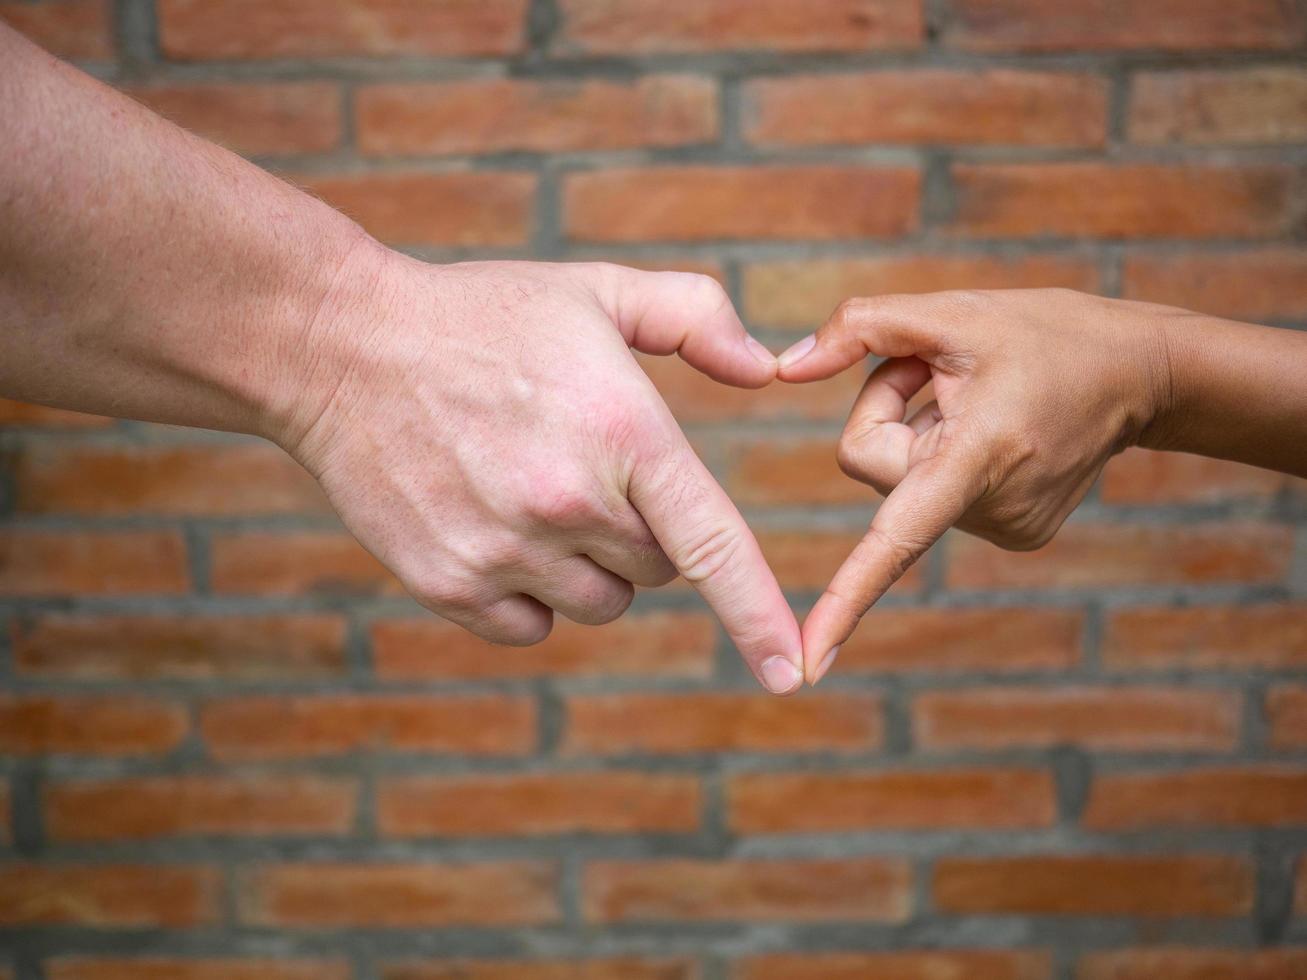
(1235, 391)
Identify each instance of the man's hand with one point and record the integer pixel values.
(1034, 390)
(485, 431)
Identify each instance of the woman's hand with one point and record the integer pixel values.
(1034, 390)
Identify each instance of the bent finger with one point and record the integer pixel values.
(929, 500)
(579, 589)
(713, 548)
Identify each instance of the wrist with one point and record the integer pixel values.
(327, 322)
(1170, 370)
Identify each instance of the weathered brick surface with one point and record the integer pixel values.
(413, 895)
(1191, 886)
(706, 203)
(232, 746)
(180, 647)
(196, 30)
(420, 119)
(200, 806)
(646, 26)
(857, 889)
(948, 107)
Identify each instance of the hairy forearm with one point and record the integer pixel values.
(146, 273)
(1234, 391)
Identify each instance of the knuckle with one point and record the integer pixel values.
(558, 499)
(899, 552)
(609, 607)
(708, 553)
(527, 635)
(445, 592)
(708, 290)
(849, 456)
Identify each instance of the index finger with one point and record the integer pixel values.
(712, 547)
(932, 497)
(887, 326)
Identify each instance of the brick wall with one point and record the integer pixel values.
(234, 750)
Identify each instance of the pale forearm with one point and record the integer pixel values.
(144, 272)
(1236, 392)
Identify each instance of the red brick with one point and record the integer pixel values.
(1193, 964)
(1145, 887)
(532, 804)
(76, 29)
(1286, 710)
(818, 802)
(307, 726)
(453, 209)
(1139, 476)
(252, 118)
(1261, 284)
(15, 414)
(501, 115)
(108, 896)
(806, 560)
(625, 968)
(54, 563)
(624, 27)
(637, 645)
(210, 481)
(297, 563)
(1261, 797)
(853, 889)
(180, 647)
(619, 724)
(778, 472)
(932, 965)
(1266, 636)
(160, 968)
(1149, 719)
(38, 724)
(198, 806)
(407, 895)
(1253, 105)
(1106, 556)
(1130, 201)
(1004, 640)
(994, 106)
(694, 398)
(702, 203)
(804, 292)
(1087, 25)
(253, 29)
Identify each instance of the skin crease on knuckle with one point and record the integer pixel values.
(476, 373)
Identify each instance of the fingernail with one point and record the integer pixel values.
(759, 351)
(780, 676)
(799, 351)
(825, 664)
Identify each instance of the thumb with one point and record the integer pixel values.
(928, 501)
(687, 314)
(887, 326)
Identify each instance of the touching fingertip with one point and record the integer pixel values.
(757, 349)
(799, 351)
(825, 664)
(780, 676)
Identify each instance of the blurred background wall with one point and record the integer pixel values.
(233, 747)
